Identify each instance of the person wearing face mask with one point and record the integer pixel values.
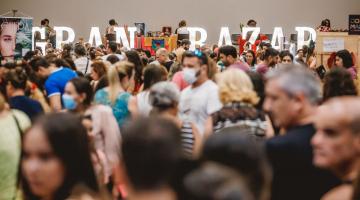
(77, 99)
(201, 98)
(115, 94)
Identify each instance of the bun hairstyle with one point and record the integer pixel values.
(164, 95)
(17, 77)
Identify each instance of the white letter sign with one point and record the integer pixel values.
(60, 35)
(192, 37)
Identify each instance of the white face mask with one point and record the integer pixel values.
(190, 75)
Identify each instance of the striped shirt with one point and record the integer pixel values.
(187, 139)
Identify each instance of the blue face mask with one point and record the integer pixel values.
(69, 102)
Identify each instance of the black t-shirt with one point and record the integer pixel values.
(168, 64)
(30, 107)
(295, 176)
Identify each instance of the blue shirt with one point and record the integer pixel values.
(30, 107)
(55, 84)
(119, 108)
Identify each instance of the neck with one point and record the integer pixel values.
(160, 194)
(349, 170)
(18, 92)
(199, 82)
(80, 109)
(172, 116)
(305, 117)
(53, 68)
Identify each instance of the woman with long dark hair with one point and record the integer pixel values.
(56, 158)
(251, 59)
(134, 58)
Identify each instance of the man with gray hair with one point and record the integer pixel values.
(162, 58)
(292, 94)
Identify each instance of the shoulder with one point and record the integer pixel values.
(22, 118)
(186, 91)
(211, 85)
(340, 192)
(278, 142)
(101, 109)
(69, 71)
(178, 76)
(100, 93)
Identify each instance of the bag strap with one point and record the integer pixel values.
(21, 132)
(18, 125)
(87, 65)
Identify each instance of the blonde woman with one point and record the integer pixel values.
(239, 100)
(115, 94)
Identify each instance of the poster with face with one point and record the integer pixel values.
(15, 37)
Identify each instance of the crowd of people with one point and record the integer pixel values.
(103, 122)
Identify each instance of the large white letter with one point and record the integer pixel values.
(121, 36)
(95, 34)
(301, 36)
(192, 37)
(254, 35)
(60, 35)
(279, 36)
(132, 31)
(42, 36)
(224, 34)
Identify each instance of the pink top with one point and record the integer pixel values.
(240, 65)
(353, 72)
(178, 79)
(106, 135)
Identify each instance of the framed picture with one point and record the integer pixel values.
(140, 28)
(167, 30)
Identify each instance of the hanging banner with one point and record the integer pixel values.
(354, 24)
(15, 37)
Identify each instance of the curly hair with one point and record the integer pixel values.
(338, 82)
(236, 86)
(346, 58)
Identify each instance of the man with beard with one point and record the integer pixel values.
(269, 59)
(56, 78)
(228, 56)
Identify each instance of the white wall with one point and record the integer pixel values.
(209, 14)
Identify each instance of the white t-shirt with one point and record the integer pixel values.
(182, 30)
(81, 64)
(143, 103)
(197, 104)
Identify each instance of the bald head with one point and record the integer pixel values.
(336, 143)
(345, 109)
